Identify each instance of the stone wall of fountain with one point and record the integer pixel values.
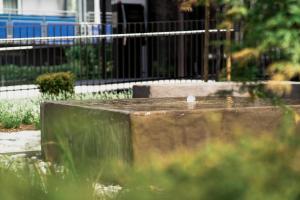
(132, 130)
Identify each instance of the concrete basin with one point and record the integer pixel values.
(131, 130)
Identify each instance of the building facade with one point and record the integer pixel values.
(37, 7)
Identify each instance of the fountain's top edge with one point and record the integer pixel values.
(178, 104)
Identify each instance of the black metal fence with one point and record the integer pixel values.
(134, 52)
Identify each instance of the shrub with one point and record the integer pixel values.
(56, 83)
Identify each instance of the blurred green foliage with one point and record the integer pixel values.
(251, 168)
(247, 167)
(30, 179)
(242, 73)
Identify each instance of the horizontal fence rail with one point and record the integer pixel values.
(113, 36)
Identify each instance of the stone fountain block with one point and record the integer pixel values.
(131, 130)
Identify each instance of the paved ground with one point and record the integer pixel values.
(28, 91)
(20, 142)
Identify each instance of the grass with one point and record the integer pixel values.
(17, 112)
(33, 179)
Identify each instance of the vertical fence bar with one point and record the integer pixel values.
(129, 50)
(134, 52)
(103, 32)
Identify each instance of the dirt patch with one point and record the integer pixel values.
(21, 128)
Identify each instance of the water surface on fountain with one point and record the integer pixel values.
(178, 104)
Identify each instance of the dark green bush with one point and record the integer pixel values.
(86, 57)
(56, 83)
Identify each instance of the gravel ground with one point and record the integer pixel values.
(20, 142)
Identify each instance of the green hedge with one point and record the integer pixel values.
(56, 83)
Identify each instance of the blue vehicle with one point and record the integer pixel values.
(27, 26)
(30, 26)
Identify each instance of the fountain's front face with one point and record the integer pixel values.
(132, 129)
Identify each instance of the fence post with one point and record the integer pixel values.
(181, 51)
(103, 41)
(206, 40)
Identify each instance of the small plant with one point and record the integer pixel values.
(54, 84)
(9, 120)
(28, 117)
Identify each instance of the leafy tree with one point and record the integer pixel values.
(269, 28)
